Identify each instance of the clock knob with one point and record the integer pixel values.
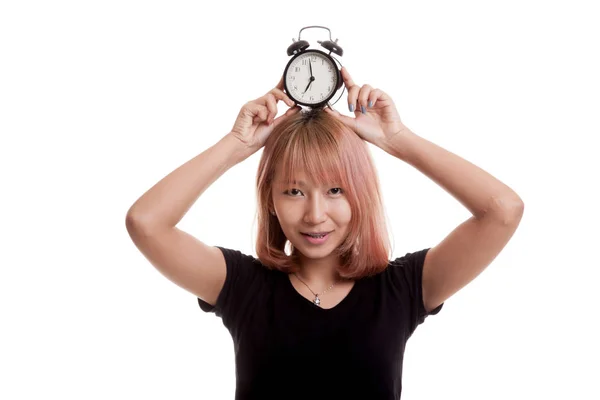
(297, 47)
(332, 46)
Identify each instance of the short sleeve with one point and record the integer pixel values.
(406, 276)
(245, 278)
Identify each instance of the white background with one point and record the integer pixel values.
(101, 100)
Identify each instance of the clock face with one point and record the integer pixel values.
(311, 78)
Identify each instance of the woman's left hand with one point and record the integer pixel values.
(376, 118)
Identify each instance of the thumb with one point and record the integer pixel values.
(288, 113)
(343, 118)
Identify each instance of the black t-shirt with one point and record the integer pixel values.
(286, 347)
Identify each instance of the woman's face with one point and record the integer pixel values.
(301, 207)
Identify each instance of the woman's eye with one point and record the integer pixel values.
(293, 192)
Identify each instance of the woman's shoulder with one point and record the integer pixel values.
(236, 258)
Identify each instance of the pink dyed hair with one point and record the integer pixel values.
(327, 151)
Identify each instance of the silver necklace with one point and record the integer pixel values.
(316, 300)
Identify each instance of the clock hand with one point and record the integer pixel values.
(307, 87)
(312, 78)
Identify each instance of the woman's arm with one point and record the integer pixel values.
(466, 251)
(165, 204)
(477, 190)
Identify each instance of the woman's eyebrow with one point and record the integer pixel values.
(283, 182)
(293, 182)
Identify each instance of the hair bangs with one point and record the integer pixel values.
(315, 153)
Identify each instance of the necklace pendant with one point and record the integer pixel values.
(317, 301)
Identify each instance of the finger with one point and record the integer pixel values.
(353, 90)
(375, 95)
(347, 78)
(280, 83)
(293, 110)
(363, 97)
(280, 95)
(348, 121)
(288, 113)
(271, 103)
(257, 112)
(353, 98)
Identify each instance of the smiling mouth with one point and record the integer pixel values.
(316, 235)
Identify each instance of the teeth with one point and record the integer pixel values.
(317, 236)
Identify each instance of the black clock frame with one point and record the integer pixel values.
(338, 74)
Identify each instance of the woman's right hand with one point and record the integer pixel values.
(256, 120)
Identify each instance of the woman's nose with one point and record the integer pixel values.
(316, 211)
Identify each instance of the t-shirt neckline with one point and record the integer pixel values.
(315, 307)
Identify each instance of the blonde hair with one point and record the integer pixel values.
(327, 151)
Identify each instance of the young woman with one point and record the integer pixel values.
(322, 310)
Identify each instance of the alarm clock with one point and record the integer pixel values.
(311, 77)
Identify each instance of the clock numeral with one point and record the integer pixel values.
(293, 77)
(328, 88)
(296, 69)
(295, 87)
(312, 98)
(322, 97)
